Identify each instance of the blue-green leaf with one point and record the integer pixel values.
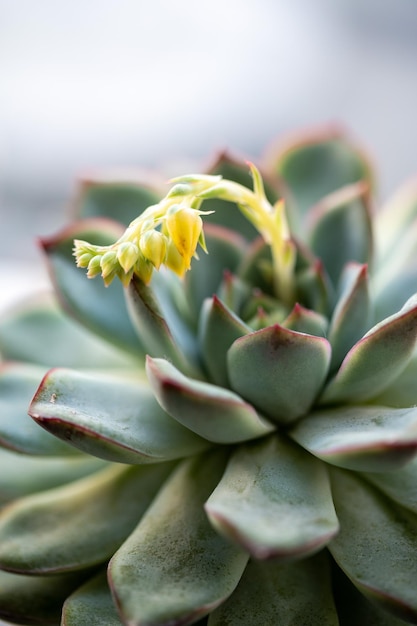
(218, 329)
(77, 525)
(36, 600)
(160, 338)
(114, 418)
(315, 164)
(38, 332)
(23, 475)
(280, 371)
(118, 197)
(377, 359)
(175, 568)
(369, 438)
(340, 229)
(18, 383)
(274, 500)
(376, 545)
(100, 309)
(212, 412)
(92, 603)
(352, 315)
(288, 594)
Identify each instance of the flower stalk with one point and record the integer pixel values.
(169, 232)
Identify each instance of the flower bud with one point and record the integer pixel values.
(83, 260)
(108, 263)
(174, 261)
(127, 255)
(153, 246)
(94, 266)
(184, 226)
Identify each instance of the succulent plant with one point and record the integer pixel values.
(230, 445)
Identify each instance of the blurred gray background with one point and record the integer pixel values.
(100, 83)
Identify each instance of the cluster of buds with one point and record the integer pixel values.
(169, 232)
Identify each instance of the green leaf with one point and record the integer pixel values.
(394, 220)
(268, 368)
(274, 500)
(306, 321)
(287, 594)
(352, 316)
(367, 438)
(175, 568)
(314, 288)
(340, 229)
(157, 335)
(38, 332)
(18, 431)
(218, 329)
(354, 608)
(113, 418)
(226, 249)
(376, 545)
(22, 475)
(315, 164)
(91, 604)
(402, 392)
(400, 486)
(214, 413)
(377, 359)
(77, 525)
(118, 197)
(102, 310)
(396, 276)
(36, 600)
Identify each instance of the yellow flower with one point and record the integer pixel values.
(153, 246)
(184, 226)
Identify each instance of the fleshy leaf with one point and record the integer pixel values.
(225, 251)
(218, 329)
(376, 545)
(152, 327)
(37, 332)
(23, 475)
(395, 219)
(367, 438)
(36, 600)
(287, 594)
(352, 316)
(18, 383)
(400, 486)
(114, 197)
(396, 276)
(92, 603)
(402, 392)
(355, 608)
(113, 418)
(175, 568)
(377, 359)
(280, 371)
(274, 500)
(304, 320)
(77, 525)
(315, 164)
(100, 309)
(215, 413)
(340, 229)
(314, 288)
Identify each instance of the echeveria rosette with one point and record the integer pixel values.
(230, 447)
